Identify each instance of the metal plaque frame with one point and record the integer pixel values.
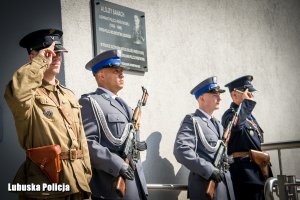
(120, 27)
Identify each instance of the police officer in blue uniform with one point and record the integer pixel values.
(248, 181)
(105, 119)
(197, 142)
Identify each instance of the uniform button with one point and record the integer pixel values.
(110, 171)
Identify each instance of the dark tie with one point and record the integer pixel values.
(122, 103)
(214, 123)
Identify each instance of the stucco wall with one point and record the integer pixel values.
(188, 41)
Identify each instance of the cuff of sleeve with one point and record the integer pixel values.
(207, 172)
(115, 169)
(41, 61)
(250, 104)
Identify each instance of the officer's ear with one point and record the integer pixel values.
(233, 94)
(32, 54)
(201, 98)
(100, 75)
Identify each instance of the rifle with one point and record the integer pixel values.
(132, 147)
(221, 153)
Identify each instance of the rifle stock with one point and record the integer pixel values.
(210, 191)
(120, 186)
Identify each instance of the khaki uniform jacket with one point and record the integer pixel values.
(39, 123)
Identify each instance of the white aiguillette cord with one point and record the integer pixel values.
(100, 119)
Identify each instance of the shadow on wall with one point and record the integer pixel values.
(159, 170)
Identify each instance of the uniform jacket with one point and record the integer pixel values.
(105, 156)
(39, 123)
(244, 136)
(190, 152)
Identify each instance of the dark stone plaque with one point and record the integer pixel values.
(119, 27)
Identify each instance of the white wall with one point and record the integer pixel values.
(190, 40)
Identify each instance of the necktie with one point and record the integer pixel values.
(122, 103)
(214, 123)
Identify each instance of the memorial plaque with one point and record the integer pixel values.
(119, 27)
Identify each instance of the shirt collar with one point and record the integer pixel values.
(49, 86)
(112, 95)
(205, 114)
(234, 106)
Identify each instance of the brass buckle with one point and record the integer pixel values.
(72, 155)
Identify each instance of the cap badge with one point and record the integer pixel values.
(51, 31)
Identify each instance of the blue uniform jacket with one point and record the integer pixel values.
(105, 156)
(244, 136)
(190, 152)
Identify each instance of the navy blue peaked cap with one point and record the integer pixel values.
(106, 59)
(241, 84)
(41, 39)
(209, 85)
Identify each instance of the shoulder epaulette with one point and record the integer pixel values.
(66, 88)
(88, 94)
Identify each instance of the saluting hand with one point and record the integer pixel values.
(48, 53)
(247, 95)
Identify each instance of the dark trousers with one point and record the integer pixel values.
(134, 191)
(249, 192)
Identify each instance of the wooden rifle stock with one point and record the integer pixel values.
(210, 191)
(121, 184)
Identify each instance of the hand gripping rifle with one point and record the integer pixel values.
(132, 146)
(221, 154)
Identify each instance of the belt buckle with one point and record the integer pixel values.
(72, 155)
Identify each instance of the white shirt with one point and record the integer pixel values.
(207, 115)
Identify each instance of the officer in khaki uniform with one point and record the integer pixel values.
(46, 113)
